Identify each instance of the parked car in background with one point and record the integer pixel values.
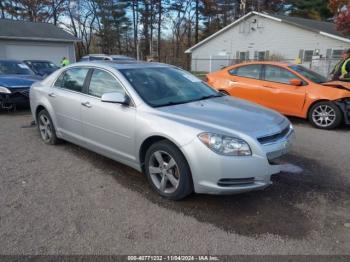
(41, 67)
(15, 81)
(288, 88)
(161, 120)
(96, 57)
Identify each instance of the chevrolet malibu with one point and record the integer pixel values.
(162, 121)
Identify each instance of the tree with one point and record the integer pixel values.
(341, 8)
(316, 9)
(35, 11)
(57, 8)
(82, 20)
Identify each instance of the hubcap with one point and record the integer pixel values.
(323, 115)
(45, 128)
(164, 172)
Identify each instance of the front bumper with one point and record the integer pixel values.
(216, 174)
(344, 106)
(18, 97)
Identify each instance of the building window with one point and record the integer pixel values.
(336, 54)
(308, 55)
(243, 56)
(261, 55)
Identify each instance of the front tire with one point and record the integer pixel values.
(325, 115)
(46, 128)
(167, 171)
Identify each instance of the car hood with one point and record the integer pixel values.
(230, 115)
(18, 81)
(338, 84)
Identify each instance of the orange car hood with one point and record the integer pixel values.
(339, 84)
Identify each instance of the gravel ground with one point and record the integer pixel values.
(66, 200)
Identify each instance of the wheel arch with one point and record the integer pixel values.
(314, 103)
(150, 141)
(38, 109)
(47, 107)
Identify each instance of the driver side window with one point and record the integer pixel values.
(279, 75)
(102, 82)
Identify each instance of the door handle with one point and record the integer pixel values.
(86, 104)
(52, 95)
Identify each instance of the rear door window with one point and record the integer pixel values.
(72, 79)
(249, 71)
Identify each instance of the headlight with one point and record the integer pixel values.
(225, 145)
(4, 90)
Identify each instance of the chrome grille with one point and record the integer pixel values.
(275, 137)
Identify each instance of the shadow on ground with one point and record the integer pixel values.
(303, 122)
(273, 210)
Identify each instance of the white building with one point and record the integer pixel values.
(260, 36)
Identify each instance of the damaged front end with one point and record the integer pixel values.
(10, 99)
(344, 105)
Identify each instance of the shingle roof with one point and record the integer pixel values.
(15, 29)
(310, 24)
(324, 28)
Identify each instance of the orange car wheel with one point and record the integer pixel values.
(325, 115)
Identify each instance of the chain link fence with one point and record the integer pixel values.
(322, 66)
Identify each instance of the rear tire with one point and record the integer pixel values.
(325, 115)
(46, 128)
(167, 171)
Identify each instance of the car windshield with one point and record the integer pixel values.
(14, 68)
(309, 74)
(42, 65)
(163, 86)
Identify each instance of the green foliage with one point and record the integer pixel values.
(315, 9)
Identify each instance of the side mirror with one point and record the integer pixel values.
(296, 82)
(115, 97)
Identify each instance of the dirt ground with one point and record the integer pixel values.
(67, 200)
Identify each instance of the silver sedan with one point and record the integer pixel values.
(162, 121)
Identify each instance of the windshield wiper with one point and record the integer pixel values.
(207, 97)
(171, 103)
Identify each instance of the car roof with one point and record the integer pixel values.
(123, 64)
(122, 57)
(11, 60)
(96, 55)
(265, 63)
(34, 60)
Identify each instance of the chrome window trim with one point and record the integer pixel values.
(132, 103)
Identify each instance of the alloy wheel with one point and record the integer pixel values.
(45, 128)
(324, 115)
(164, 172)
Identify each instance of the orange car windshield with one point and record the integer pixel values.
(309, 74)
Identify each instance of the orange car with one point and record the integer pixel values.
(288, 88)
